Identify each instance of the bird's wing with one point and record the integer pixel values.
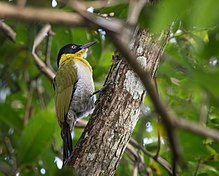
(64, 81)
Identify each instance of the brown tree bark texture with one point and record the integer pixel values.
(107, 134)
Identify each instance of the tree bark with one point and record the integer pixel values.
(107, 134)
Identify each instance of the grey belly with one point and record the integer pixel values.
(82, 103)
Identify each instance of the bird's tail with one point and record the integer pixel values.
(67, 141)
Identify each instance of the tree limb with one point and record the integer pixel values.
(8, 31)
(135, 8)
(41, 15)
(21, 3)
(159, 105)
(196, 128)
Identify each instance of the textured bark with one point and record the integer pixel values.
(107, 134)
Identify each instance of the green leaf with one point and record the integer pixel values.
(193, 146)
(167, 12)
(35, 136)
(208, 81)
(9, 117)
(97, 48)
(79, 36)
(205, 13)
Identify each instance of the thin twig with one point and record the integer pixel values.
(158, 159)
(11, 151)
(158, 140)
(48, 49)
(135, 156)
(158, 122)
(41, 65)
(137, 159)
(198, 166)
(8, 31)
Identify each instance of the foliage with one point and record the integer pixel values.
(187, 79)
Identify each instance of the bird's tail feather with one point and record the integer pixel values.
(67, 142)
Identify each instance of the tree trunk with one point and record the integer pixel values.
(107, 134)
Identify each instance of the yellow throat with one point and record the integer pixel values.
(76, 56)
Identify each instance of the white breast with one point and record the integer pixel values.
(82, 103)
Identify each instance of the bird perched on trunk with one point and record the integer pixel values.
(74, 88)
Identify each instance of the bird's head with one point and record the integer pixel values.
(73, 51)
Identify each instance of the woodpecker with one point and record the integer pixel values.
(73, 89)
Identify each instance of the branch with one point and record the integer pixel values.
(8, 31)
(6, 169)
(11, 151)
(21, 3)
(138, 159)
(171, 122)
(166, 115)
(198, 166)
(135, 8)
(158, 139)
(41, 65)
(196, 128)
(94, 21)
(48, 48)
(135, 170)
(158, 159)
(82, 124)
(158, 122)
(51, 16)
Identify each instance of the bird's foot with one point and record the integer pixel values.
(109, 83)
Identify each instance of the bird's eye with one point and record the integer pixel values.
(73, 46)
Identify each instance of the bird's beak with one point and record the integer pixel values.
(87, 45)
